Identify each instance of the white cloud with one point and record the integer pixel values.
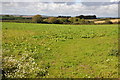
(114, 0)
(60, 9)
(58, 0)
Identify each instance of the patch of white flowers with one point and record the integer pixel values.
(24, 67)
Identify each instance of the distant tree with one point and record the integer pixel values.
(45, 20)
(82, 20)
(7, 15)
(72, 19)
(76, 20)
(86, 17)
(37, 18)
(53, 20)
(63, 20)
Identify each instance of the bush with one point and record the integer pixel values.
(24, 67)
(89, 22)
(83, 21)
(45, 20)
(37, 18)
(118, 22)
(53, 20)
(63, 20)
(108, 22)
(72, 20)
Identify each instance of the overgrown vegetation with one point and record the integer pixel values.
(60, 51)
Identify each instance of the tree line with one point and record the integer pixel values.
(60, 20)
(54, 20)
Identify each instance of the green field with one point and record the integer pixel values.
(60, 51)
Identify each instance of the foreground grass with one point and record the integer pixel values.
(60, 51)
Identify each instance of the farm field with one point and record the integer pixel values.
(60, 51)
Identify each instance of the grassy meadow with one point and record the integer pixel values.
(60, 51)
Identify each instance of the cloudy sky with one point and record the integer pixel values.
(73, 8)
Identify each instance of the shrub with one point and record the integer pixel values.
(118, 22)
(89, 22)
(24, 67)
(72, 20)
(53, 20)
(108, 22)
(82, 21)
(45, 20)
(37, 18)
(63, 20)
